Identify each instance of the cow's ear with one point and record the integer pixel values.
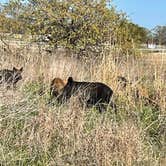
(21, 69)
(14, 69)
(70, 80)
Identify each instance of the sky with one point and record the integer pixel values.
(146, 13)
(2, 1)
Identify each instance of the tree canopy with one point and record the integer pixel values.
(79, 25)
(160, 35)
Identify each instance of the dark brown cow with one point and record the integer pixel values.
(91, 93)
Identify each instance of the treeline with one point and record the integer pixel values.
(159, 35)
(79, 25)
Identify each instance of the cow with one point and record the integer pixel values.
(10, 77)
(91, 93)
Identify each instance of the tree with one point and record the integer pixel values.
(79, 25)
(82, 26)
(10, 21)
(160, 35)
(128, 35)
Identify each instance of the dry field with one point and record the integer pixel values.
(35, 133)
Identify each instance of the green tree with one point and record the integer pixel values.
(10, 17)
(128, 35)
(80, 25)
(160, 35)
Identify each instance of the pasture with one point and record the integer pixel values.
(32, 132)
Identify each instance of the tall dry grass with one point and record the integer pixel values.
(35, 133)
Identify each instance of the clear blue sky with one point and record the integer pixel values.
(146, 13)
(2, 1)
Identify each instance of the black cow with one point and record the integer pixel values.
(10, 77)
(91, 93)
